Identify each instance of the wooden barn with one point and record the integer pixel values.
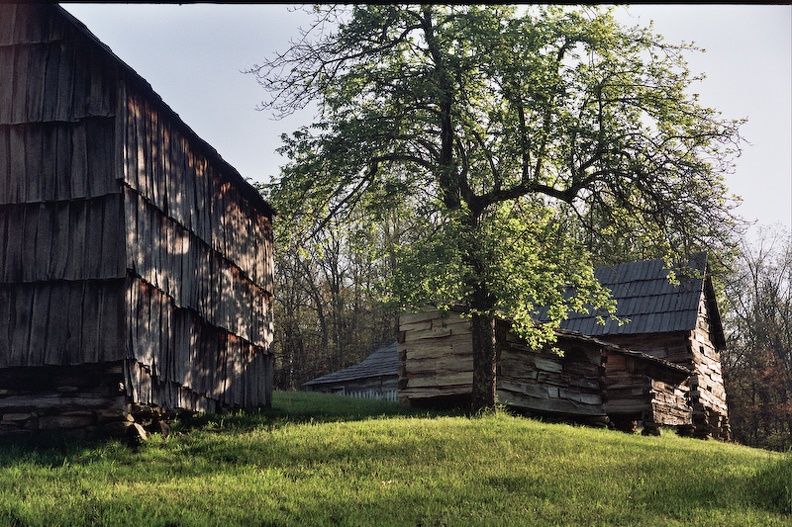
(679, 323)
(135, 263)
(594, 382)
(375, 377)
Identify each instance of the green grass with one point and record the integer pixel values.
(327, 460)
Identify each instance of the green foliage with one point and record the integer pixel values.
(454, 111)
(499, 125)
(371, 467)
(525, 264)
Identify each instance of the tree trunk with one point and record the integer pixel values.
(484, 363)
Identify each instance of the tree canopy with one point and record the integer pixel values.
(523, 141)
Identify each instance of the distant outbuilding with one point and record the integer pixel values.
(376, 377)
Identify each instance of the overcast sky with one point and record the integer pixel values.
(193, 56)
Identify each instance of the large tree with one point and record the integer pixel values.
(497, 124)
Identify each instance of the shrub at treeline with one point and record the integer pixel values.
(327, 460)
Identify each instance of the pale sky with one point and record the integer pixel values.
(193, 55)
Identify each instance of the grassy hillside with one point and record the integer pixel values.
(325, 460)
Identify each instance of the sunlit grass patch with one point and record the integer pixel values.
(391, 467)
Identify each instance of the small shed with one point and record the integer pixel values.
(376, 377)
(678, 322)
(135, 263)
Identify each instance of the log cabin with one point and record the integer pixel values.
(677, 322)
(135, 263)
(591, 381)
(375, 377)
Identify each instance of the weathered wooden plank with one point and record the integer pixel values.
(20, 82)
(427, 392)
(58, 326)
(6, 88)
(440, 366)
(21, 324)
(6, 325)
(450, 379)
(49, 97)
(18, 176)
(14, 219)
(546, 405)
(40, 326)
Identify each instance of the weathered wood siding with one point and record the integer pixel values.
(541, 381)
(123, 236)
(707, 391)
(638, 389)
(437, 364)
(436, 356)
(199, 256)
(62, 271)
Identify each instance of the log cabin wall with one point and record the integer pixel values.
(641, 388)
(678, 322)
(706, 394)
(436, 369)
(545, 383)
(124, 238)
(436, 358)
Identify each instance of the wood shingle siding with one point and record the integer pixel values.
(78, 161)
(125, 239)
(61, 322)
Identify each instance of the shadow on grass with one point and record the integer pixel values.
(53, 448)
(305, 407)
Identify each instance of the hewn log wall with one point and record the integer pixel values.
(696, 351)
(437, 364)
(436, 356)
(640, 390)
(541, 381)
(86, 399)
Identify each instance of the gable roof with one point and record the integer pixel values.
(381, 363)
(650, 302)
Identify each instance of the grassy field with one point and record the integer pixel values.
(326, 460)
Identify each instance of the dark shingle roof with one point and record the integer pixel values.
(382, 362)
(646, 297)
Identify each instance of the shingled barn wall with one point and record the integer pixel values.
(135, 264)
